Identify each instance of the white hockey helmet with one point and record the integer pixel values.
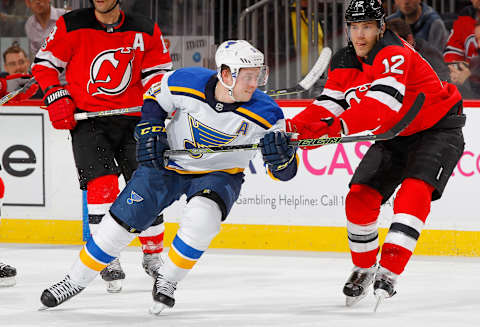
(237, 54)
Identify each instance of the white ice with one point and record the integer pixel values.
(244, 288)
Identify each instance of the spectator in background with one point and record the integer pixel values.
(431, 54)
(13, 15)
(466, 76)
(40, 23)
(16, 74)
(424, 22)
(462, 44)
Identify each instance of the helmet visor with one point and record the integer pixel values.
(258, 74)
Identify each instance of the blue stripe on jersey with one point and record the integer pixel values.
(263, 106)
(97, 252)
(191, 77)
(185, 249)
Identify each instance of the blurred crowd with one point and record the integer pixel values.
(449, 42)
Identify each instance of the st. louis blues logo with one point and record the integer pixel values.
(205, 136)
(134, 197)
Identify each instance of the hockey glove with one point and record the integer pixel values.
(152, 142)
(276, 152)
(14, 82)
(60, 108)
(325, 127)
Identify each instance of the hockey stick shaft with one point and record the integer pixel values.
(313, 75)
(13, 94)
(394, 131)
(114, 112)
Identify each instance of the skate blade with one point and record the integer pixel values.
(7, 282)
(350, 301)
(157, 308)
(115, 286)
(380, 295)
(43, 308)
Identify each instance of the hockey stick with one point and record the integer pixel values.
(313, 75)
(87, 115)
(394, 131)
(13, 94)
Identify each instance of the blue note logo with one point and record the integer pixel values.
(134, 197)
(205, 136)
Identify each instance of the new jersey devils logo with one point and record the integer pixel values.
(111, 72)
(356, 93)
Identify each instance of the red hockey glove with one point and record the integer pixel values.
(325, 127)
(60, 108)
(14, 82)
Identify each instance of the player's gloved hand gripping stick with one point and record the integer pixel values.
(394, 131)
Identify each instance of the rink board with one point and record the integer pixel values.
(44, 205)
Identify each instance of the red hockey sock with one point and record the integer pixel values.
(411, 208)
(152, 239)
(362, 209)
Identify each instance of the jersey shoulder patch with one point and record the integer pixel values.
(80, 18)
(345, 58)
(261, 109)
(190, 81)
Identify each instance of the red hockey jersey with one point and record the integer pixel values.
(462, 45)
(105, 67)
(375, 93)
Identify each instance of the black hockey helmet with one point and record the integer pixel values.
(364, 10)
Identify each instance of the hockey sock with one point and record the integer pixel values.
(199, 225)
(101, 192)
(362, 208)
(411, 208)
(152, 238)
(100, 250)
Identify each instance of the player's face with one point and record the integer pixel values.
(16, 63)
(104, 5)
(246, 84)
(364, 36)
(39, 7)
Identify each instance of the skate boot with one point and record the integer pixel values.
(113, 275)
(356, 286)
(163, 296)
(60, 292)
(151, 263)
(384, 286)
(7, 275)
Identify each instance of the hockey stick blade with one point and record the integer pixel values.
(313, 75)
(394, 131)
(13, 94)
(391, 133)
(114, 112)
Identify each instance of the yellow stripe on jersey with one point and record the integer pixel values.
(145, 97)
(180, 261)
(228, 171)
(254, 116)
(187, 90)
(91, 263)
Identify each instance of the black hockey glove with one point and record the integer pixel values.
(152, 142)
(276, 152)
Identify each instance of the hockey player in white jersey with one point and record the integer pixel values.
(211, 109)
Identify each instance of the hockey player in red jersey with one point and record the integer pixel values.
(110, 59)
(371, 85)
(7, 272)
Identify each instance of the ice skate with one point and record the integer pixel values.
(163, 296)
(356, 286)
(7, 275)
(151, 263)
(384, 286)
(60, 292)
(113, 274)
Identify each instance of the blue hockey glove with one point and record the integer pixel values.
(152, 142)
(276, 152)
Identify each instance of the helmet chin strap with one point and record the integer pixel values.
(107, 11)
(229, 88)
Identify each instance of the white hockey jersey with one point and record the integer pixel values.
(201, 121)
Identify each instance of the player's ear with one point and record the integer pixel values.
(227, 75)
